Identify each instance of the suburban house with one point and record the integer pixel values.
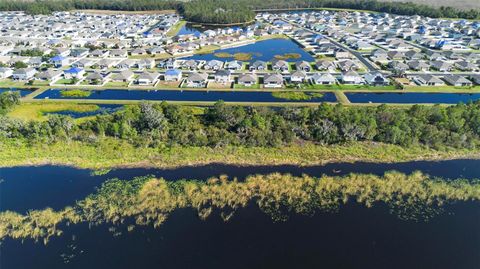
(126, 64)
(466, 66)
(96, 78)
(5, 72)
(223, 76)
(59, 61)
(197, 80)
(147, 78)
(146, 63)
(298, 77)
(190, 64)
(23, 74)
(428, 80)
(475, 78)
(418, 65)
(234, 65)
(376, 79)
(323, 65)
(273, 81)
(441, 66)
(74, 72)
(247, 79)
(279, 65)
(303, 65)
(123, 76)
(173, 75)
(352, 77)
(49, 75)
(456, 80)
(258, 65)
(213, 65)
(323, 79)
(84, 63)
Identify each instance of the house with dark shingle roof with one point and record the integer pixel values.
(247, 79)
(457, 80)
(273, 81)
(428, 80)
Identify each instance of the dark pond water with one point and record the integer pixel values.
(177, 95)
(102, 109)
(412, 98)
(25, 188)
(353, 237)
(22, 92)
(263, 50)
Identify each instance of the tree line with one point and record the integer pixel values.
(228, 11)
(159, 125)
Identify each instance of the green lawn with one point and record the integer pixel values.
(11, 83)
(64, 81)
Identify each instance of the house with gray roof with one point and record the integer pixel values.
(323, 79)
(274, 80)
(123, 76)
(247, 80)
(49, 75)
(457, 80)
(197, 80)
(298, 76)
(147, 78)
(258, 66)
(428, 80)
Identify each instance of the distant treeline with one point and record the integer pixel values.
(154, 125)
(230, 11)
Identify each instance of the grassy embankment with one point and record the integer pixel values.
(36, 111)
(173, 31)
(111, 153)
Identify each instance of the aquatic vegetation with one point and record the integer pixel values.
(223, 55)
(297, 96)
(75, 93)
(242, 56)
(287, 56)
(149, 201)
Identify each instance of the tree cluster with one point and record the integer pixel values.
(228, 11)
(153, 125)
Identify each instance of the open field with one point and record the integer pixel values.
(36, 111)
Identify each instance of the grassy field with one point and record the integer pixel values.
(176, 28)
(36, 111)
(111, 153)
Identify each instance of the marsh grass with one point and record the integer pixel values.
(75, 93)
(110, 153)
(150, 201)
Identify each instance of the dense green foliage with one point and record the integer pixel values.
(234, 11)
(151, 201)
(149, 125)
(217, 11)
(8, 100)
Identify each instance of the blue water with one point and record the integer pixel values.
(412, 98)
(263, 50)
(103, 109)
(22, 92)
(189, 30)
(176, 95)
